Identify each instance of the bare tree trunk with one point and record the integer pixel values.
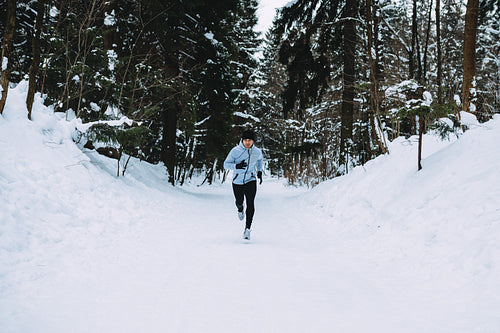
(427, 35)
(125, 166)
(347, 109)
(84, 48)
(7, 45)
(110, 35)
(411, 55)
(171, 107)
(439, 53)
(109, 42)
(69, 66)
(469, 63)
(374, 95)
(419, 62)
(36, 58)
(120, 152)
(421, 125)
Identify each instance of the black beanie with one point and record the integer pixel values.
(248, 134)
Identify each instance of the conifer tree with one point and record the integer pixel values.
(25, 17)
(452, 48)
(246, 42)
(488, 59)
(218, 42)
(312, 31)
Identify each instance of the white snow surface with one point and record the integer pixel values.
(383, 249)
(5, 63)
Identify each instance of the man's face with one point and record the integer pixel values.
(248, 143)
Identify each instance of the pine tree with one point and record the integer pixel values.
(266, 87)
(309, 59)
(488, 60)
(452, 48)
(215, 81)
(243, 59)
(26, 12)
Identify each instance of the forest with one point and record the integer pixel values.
(325, 89)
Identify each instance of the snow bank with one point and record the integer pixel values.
(434, 231)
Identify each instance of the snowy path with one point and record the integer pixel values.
(177, 263)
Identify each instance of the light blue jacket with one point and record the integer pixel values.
(253, 157)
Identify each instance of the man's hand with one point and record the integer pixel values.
(259, 175)
(241, 165)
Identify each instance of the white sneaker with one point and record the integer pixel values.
(241, 215)
(246, 234)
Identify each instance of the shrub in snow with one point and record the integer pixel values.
(118, 139)
(409, 99)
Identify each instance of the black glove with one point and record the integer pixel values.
(259, 175)
(241, 165)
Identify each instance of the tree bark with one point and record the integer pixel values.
(421, 125)
(469, 63)
(419, 75)
(7, 45)
(36, 58)
(347, 109)
(411, 63)
(439, 53)
(426, 47)
(169, 137)
(171, 108)
(374, 87)
(110, 33)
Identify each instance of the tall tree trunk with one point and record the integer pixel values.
(419, 75)
(411, 63)
(171, 107)
(36, 58)
(421, 125)
(374, 96)
(6, 61)
(469, 63)
(439, 53)
(110, 33)
(347, 109)
(426, 47)
(169, 136)
(108, 22)
(84, 46)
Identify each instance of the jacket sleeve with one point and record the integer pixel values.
(259, 161)
(230, 163)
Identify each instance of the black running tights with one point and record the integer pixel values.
(247, 191)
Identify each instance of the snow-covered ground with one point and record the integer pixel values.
(383, 249)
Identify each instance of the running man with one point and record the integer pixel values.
(246, 161)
